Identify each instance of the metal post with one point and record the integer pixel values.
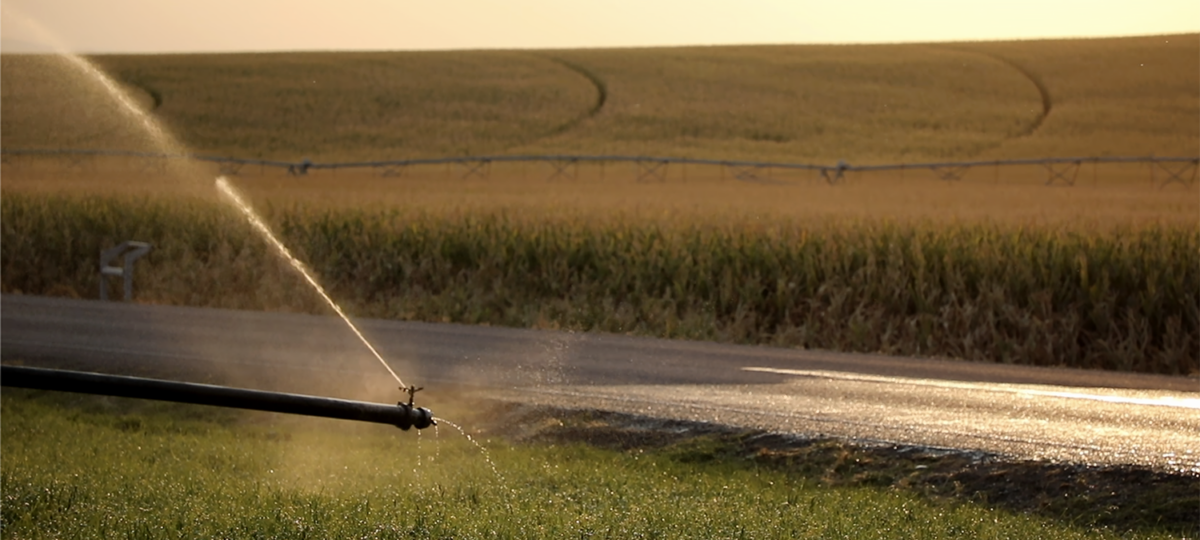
(478, 167)
(229, 168)
(132, 251)
(1067, 173)
(950, 172)
(839, 173)
(564, 168)
(1179, 174)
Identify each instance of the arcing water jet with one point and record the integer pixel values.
(235, 198)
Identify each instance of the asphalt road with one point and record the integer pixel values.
(1024, 412)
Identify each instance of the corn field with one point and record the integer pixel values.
(1122, 299)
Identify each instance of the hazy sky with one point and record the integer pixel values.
(268, 25)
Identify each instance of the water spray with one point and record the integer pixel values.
(234, 197)
(403, 415)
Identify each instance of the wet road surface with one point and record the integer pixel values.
(1024, 412)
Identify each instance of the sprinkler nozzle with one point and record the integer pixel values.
(413, 416)
(418, 417)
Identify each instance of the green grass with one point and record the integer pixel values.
(85, 467)
(1123, 299)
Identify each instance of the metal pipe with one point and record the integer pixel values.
(598, 159)
(401, 415)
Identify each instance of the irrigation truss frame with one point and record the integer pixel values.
(1059, 171)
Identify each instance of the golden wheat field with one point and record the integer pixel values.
(863, 104)
(815, 104)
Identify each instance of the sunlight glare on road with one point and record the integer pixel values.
(1163, 399)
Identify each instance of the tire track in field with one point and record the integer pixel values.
(155, 97)
(1028, 74)
(1047, 102)
(154, 94)
(597, 83)
(597, 106)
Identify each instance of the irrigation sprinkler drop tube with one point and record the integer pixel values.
(401, 415)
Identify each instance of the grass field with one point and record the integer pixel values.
(80, 467)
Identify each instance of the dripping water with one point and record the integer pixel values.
(483, 451)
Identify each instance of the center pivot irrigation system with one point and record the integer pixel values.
(1163, 171)
(402, 415)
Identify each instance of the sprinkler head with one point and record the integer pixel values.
(411, 415)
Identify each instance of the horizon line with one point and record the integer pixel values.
(39, 48)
